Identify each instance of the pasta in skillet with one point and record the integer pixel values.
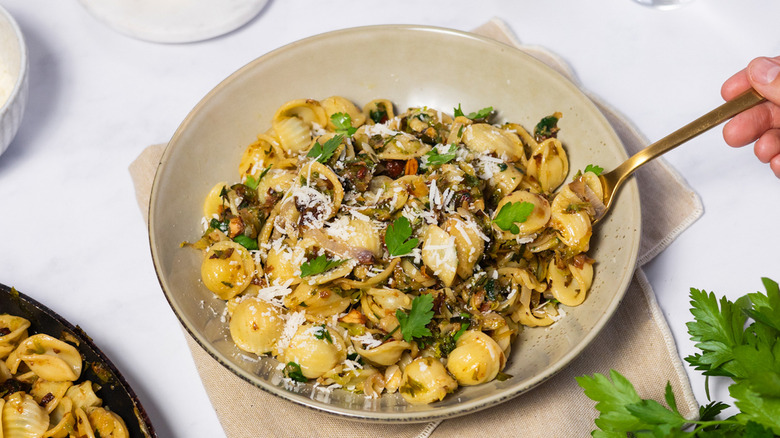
(382, 252)
(39, 393)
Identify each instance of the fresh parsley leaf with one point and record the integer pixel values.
(253, 182)
(413, 324)
(481, 114)
(396, 235)
(319, 265)
(433, 157)
(293, 371)
(717, 330)
(246, 241)
(343, 124)
(594, 168)
(512, 213)
(323, 152)
(747, 351)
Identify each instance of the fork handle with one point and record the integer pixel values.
(748, 99)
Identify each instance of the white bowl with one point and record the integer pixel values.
(13, 78)
(411, 66)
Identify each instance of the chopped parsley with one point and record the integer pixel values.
(321, 332)
(413, 324)
(319, 265)
(396, 235)
(511, 214)
(293, 371)
(323, 152)
(547, 127)
(253, 182)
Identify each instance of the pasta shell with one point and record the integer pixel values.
(107, 424)
(22, 417)
(425, 380)
(570, 285)
(378, 111)
(535, 222)
(384, 355)
(468, 243)
(214, 204)
(227, 269)
(321, 301)
(83, 396)
(440, 254)
(338, 104)
(476, 359)
(315, 352)
(549, 164)
(573, 225)
(49, 358)
(484, 138)
(17, 330)
(258, 156)
(48, 394)
(256, 325)
(379, 303)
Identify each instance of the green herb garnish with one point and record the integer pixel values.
(594, 168)
(319, 265)
(323, 152)
(246, 241)
(343, 124)
(293, 371)
(749, 354)
(433, 157)
(413, 324)
(547, 127)
(511, 214)
(396, 235)
(321, 332)
(253, 182)
(481, 114)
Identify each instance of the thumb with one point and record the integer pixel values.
(764, 76)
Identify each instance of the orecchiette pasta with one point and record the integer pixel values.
(39, 396)
(383, 252)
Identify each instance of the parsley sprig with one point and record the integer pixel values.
(396, 235)
(513, 213)
(434, 157)
(481, 114)
(413, 324)
(319, 265)
(748, 354)
(343, 124)
(323, 152)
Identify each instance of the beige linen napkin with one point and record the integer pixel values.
(636, 339)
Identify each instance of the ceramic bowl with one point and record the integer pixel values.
(411, 66)
(13, 78)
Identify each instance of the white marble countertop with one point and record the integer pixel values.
(74, 239)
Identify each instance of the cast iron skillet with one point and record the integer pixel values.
(114, 390)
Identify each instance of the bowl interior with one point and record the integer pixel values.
(12, 56)
(411, 66)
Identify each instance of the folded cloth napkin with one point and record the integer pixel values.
(636, 339)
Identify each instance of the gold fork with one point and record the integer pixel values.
(611, 181)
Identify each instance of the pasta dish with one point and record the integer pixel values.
(42, 391)
(380, 252)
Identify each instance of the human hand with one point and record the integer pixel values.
(760, 124)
